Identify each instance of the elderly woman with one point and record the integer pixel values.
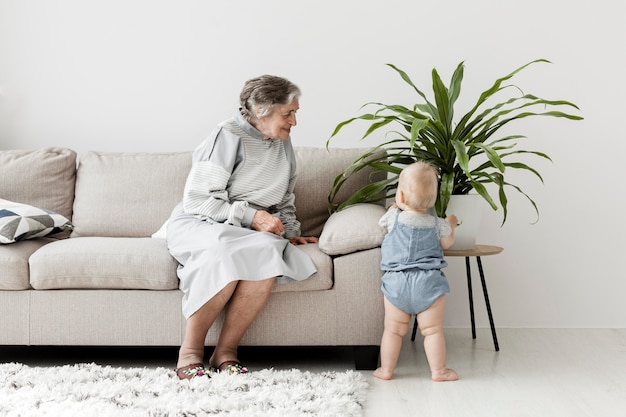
(234, 233)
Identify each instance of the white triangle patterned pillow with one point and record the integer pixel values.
(20, 221)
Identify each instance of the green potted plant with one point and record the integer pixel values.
(470, 152)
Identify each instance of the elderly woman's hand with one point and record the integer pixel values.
(265, 222)
(301, 240)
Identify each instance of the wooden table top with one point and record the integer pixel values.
(478, 250)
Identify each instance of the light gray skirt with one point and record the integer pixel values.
(212, 255)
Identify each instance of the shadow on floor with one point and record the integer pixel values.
(314, 358)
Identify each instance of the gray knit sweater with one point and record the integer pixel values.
(236, 172)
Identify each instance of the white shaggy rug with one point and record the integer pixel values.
(94, 390)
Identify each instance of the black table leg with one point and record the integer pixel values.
(471, 296)
(493, 327)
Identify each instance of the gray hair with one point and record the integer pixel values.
(261, 95)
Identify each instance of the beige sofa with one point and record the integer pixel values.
(108, 282)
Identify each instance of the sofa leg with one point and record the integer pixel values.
(366, 357)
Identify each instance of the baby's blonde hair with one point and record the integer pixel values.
(418, 182)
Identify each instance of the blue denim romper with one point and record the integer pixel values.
(412, 259)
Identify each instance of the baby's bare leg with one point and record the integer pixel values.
(396, 326)
(431, 326)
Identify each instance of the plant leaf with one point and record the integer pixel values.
(469, 153)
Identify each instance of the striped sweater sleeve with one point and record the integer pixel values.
(205, 192)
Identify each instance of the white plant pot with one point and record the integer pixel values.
(468, 209)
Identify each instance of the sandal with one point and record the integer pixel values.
(231, 367)
(191, 371)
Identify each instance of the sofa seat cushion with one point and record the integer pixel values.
(132, 263)
(322, 280)
(14, 263)
(104, 263)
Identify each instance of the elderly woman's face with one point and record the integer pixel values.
(278, 124)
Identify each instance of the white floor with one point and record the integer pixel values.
(538, 372)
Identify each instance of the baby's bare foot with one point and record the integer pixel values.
(445, 374)
(380, 373)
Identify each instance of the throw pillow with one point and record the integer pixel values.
(20, 221)
(353, 229)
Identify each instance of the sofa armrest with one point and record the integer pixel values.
(353, 229)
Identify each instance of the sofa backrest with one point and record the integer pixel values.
(127, 194)
(132, 194)
(42, 178)
(317, 170)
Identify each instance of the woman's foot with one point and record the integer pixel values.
(380, 373)
(189, 356)
(444, 375)
(223, 357)
(191, 371)
(231, 367)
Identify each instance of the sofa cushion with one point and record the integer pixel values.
(127, 194)
(14, 263)
(353, 229)
(43, 178)
(106, 263)
(21, 221)
(317, 170)
(134, 263)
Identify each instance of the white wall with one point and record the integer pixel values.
(145, 75)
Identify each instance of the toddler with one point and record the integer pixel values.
(413, 283)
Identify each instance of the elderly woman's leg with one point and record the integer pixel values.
(197, 326)
(246, 303)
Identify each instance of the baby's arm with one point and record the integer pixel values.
(387, 220)
(447, 241)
